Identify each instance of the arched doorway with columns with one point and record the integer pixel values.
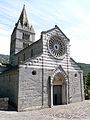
(59, 88)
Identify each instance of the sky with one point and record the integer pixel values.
(71, 16)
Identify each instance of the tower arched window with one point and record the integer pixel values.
(25, 36)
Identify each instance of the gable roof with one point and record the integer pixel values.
(75, 62)
(54, 29)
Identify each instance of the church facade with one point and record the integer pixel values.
(40, 73)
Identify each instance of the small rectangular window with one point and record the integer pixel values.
(31, 52)
(24, 57)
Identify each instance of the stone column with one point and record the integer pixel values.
(67, 90)
(51, 92)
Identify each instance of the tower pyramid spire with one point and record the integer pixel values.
(23, 21)
(23, 18)
(22, 36)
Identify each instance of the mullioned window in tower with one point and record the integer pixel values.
(25, 36)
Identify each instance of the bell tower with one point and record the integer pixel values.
(23, 34)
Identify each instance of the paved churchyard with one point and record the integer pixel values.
(74, 111)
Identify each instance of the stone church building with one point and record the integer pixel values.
(40, 73)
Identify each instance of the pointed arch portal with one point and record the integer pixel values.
(59, 88)
(58, 81)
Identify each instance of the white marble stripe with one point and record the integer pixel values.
(47, 67)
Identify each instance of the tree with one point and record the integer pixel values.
(88, 80)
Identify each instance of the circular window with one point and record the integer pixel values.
(34, 72)
(56, 46)
(75, 75)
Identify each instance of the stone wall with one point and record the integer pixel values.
(76, 92)
(46, 87)
(4, 103)
(32, 51)
(13, 87)
(30, 88)
(9, 86)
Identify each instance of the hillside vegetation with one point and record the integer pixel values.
(85, 68)
(4, 58)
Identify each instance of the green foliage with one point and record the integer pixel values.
(85, 68)
(4, 58)
(88, 80)
(86, 71)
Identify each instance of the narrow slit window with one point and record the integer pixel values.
(31, 52)
(24, 57)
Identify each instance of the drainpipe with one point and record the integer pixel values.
(81, 86)
(42, 80)
(67, 82)
(67, 91)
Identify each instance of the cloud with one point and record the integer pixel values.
(80, 51)
(73, 18)
(5, 44)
